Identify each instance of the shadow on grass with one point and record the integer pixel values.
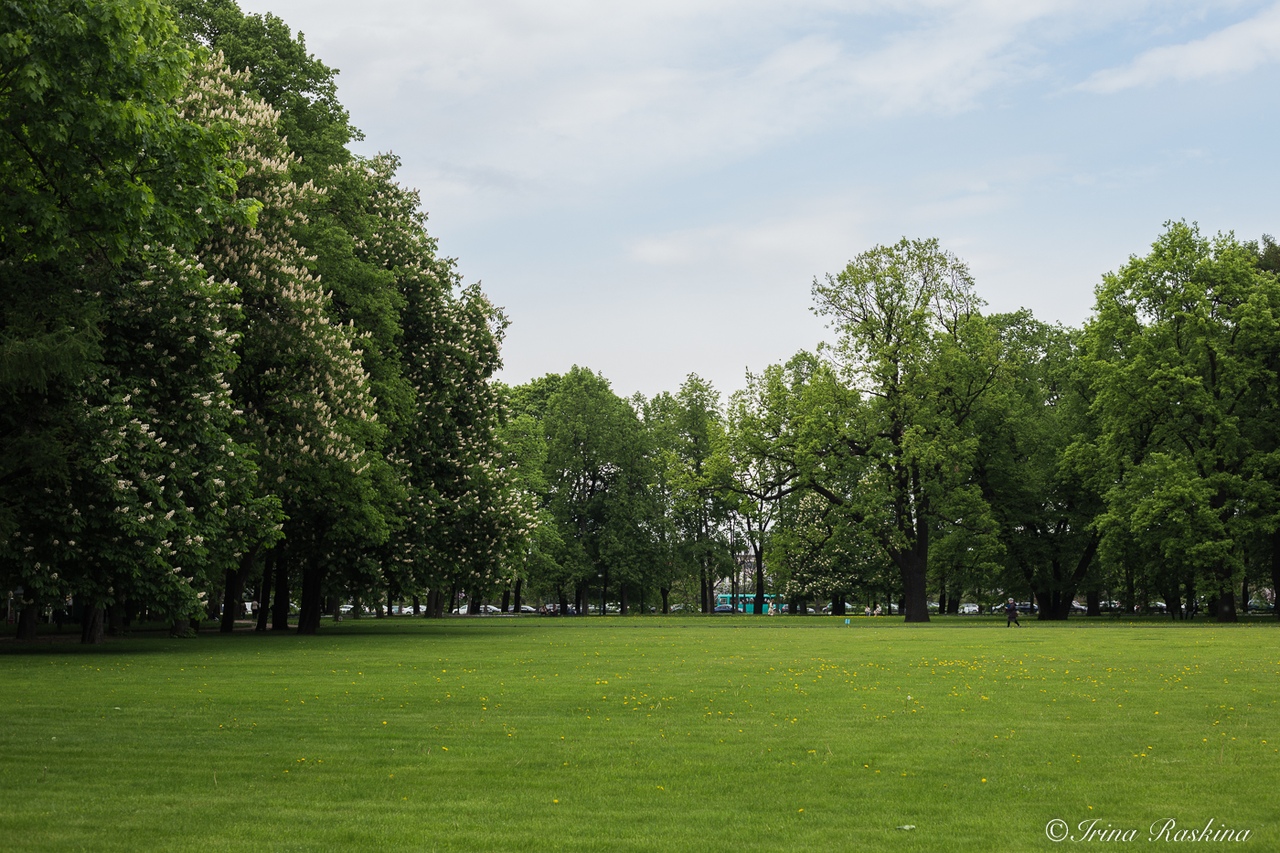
(155, 639)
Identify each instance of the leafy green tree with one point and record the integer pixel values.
(473, 518)
(1044, 505)
(120, 478)
(296, 134)
(597, 470)
(913, 346)
(764, 423)
(300, 87)
(537, 548)
(690, 487)
(307, 398)
(1181, 354)
(1266, 440)
(97, 160)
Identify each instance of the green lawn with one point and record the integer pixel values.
(695, 733)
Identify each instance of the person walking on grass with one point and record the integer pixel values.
(1011, 612)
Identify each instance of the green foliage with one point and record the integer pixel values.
(1183, 368)
(294, 82)
(98, 158)
(597, 469)
(120, 476)
(693, 471)
(1042, 504)
(915, 351)
(179, 416)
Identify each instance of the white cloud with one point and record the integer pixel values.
(577, 96)
(1234, 50)
(797, 244)
(651, 187)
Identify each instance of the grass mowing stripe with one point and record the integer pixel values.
(639, 734)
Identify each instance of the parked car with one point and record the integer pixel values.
(970, 609)
(528, 608)
(725, 608)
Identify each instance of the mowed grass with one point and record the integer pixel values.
(733, 733)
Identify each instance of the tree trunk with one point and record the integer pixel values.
(233, 594)
(91, 626)
(665, 591)
(518, 600)
(758, 553)
(28, 618)
(622, 598)
(1093, 603)
(913, 567)
(1244, 595)
(280, 608)
(1226, 610)
(312, 585)
(1275, 572)
(837, 604)
(264, 590)
(115, 619)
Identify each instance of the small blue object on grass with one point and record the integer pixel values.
(846, 621)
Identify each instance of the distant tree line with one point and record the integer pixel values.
(931, 453)
(234, 366)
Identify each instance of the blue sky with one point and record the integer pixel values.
(649, 189)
